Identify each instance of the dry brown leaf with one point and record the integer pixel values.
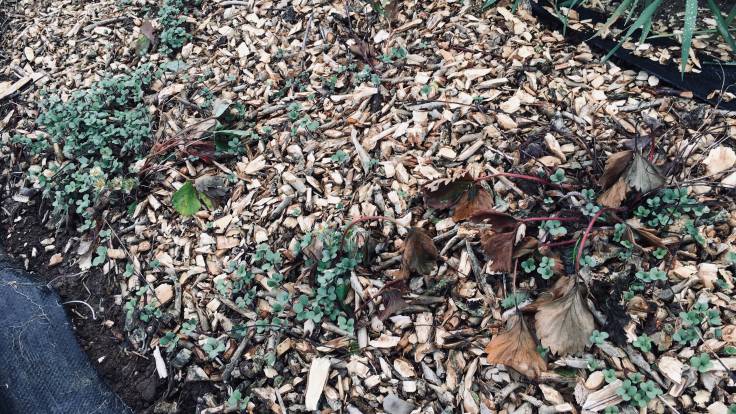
(564, 325)
(148, 31)
(392, 303)
(213, 186)
(557, 290)
(615, 195)
(499, 247)
(517, 349)
(447, 192)
(526, 246)
(642, 175)
(474, 200)
(420, 253)
(645, 233)
(499, 221)
(615, 166)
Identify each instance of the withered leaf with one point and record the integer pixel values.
(645, 233)
(499, 247)
(526, 246)
(564, 325)
(499, 221)
(313, 250)
(393, 302)
(615, 195)
(615, 166)
(447, 192)
(214, 186)
(148, 31)
(558, 289)
(517, 349)
(474, 200)
(643, 176)
(420, 253)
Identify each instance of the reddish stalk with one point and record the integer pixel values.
(532, 219)
(559, 243)
(587, 234)
(527, 178)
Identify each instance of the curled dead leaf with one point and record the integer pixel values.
(642, 175)
(447, 192)
(526, 246)
(615, 166)
(393, 302)
(473, 200)
(564, 324)
(558, 289)
(647, 234)
(420, 253)
(501, 222)
(214, 186)
(615, 195)
(517, 349)
(499, 247)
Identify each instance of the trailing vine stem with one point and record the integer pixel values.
(587, 234)
(527, 178)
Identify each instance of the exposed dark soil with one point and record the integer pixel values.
(131, 376)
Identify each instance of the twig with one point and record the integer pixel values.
(105, 22)
(640, 106)
(365, 159)
(478, 271)
(235, 359)
(234, 3)
(230, 304)
(81, 302)
(281, 401)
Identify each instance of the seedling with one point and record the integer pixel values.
(598, 337)
(653, 274)
(700, 362)
(644, 343)
(213, 347)
(545, 267)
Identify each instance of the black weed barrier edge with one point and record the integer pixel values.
(712, 78)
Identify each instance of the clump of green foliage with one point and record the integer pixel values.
(693, 320)
(174, 34)
(333, 269)
(638, 392)
(102, 130)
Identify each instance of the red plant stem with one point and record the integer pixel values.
(587, 234)
(525, 177)
(531, 219)
(559, 243)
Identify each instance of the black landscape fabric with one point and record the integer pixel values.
(43, 370)
(713, 77)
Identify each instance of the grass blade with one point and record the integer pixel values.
(721, 24)
(515, 6)
(691, 12)
(623, 7)
(645, 31)
(644, 18)
(731, 16)
(487, 4)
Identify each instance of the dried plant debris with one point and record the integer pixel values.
(517, 349)
(420, 254)
(372, 206)
(564, 324)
